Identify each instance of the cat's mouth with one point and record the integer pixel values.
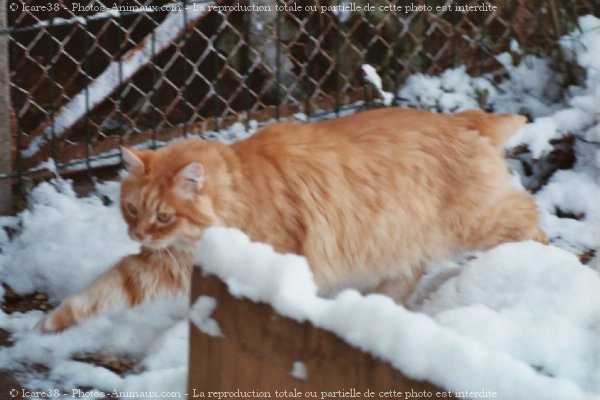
(166, 242)
(155, 244)
(171, 242)
(151, 243)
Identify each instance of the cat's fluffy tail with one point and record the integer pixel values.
(497, 127)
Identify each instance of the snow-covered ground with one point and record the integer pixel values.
(521, 320)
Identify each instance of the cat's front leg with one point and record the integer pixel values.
(135, 279)
(103, 294)
(69, 313)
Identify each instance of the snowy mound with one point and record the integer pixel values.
(61, 245)
(519, 321)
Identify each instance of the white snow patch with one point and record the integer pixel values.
(583, 43)
(374, 79)
(536, 135)
(454, 90)
(110, 13)
(532, 87)
(63, 241)
(200, 316)
(536, 303)
(577, 194)
(299, 370)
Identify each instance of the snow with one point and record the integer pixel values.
(583, 45)
(299, 370)
(454, 90)
(532, 88)
(68, 238)
(578, 234)
(200, 316)
(76, 20)
(374, 79)
(502, 281)
(159, 349)
(537, 135)
(61, 245)
(521, 320)
(536, 303)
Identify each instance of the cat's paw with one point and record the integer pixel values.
(541, 237)
(57, 320)
(45, 325)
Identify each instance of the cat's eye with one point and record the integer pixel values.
(164, 218)
(132, 209)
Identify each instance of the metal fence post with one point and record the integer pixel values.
(5, 131)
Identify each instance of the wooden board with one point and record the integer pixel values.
(259, 348)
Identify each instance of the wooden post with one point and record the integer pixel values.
(5, 131)
(259, 348)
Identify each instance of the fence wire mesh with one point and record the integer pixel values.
(86, 77)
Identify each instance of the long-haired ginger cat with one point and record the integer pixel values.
(369, 199)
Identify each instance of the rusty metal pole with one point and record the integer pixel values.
(5, 131)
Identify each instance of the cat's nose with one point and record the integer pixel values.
(138, 236)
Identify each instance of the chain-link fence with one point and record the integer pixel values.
(87, 76)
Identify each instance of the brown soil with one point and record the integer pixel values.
(23, 303)
(14, 302)
(118, 365)
(587, 256)
(7, 379)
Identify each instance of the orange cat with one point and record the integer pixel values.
(369, 199)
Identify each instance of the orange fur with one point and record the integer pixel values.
(369, 199)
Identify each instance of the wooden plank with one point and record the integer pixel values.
(259, 348)
(5, 117)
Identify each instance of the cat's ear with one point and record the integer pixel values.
(189, 180)
(133, 163)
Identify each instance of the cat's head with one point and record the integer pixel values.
(163, 199)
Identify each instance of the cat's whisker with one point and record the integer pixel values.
(166, 249)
